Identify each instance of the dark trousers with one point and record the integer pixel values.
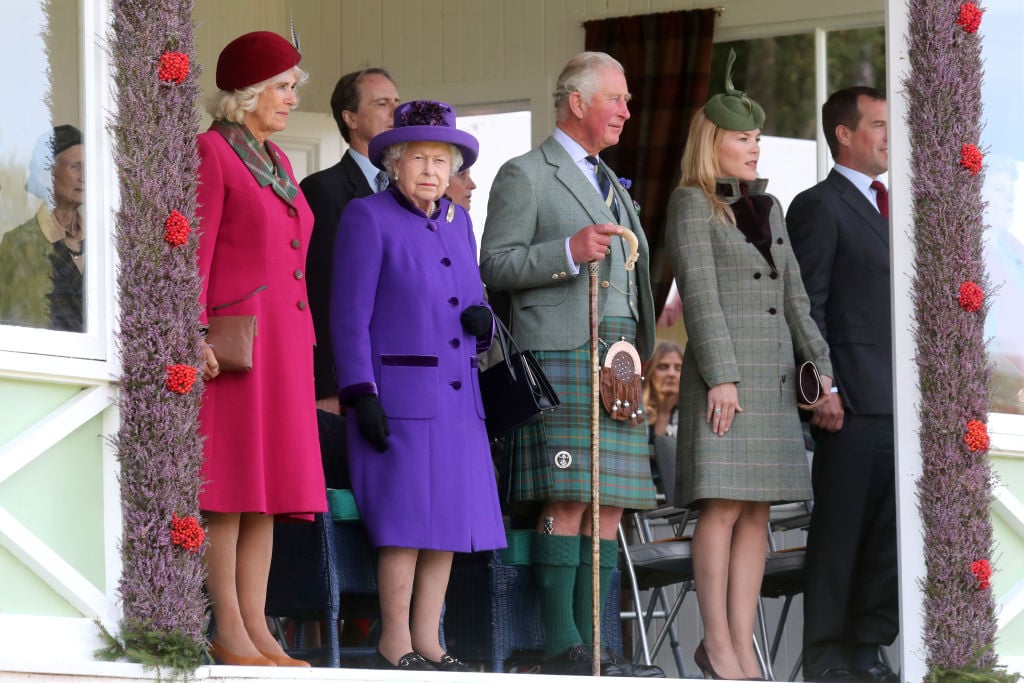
(851, 593)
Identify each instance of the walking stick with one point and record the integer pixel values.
(595, 448)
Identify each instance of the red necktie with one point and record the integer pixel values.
(881, 198)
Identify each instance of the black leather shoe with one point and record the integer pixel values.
(411, 661)
(835, 675)
(449, 663)
(576, 661)
(879, 673)
(617, 667)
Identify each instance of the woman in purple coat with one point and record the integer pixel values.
(407, 320)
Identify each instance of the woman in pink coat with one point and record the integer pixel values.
(262, 454)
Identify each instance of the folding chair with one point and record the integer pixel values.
(656, 565)
(783, 578)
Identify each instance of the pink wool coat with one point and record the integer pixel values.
(262, 453)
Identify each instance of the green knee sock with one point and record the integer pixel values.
(582, 607)
(555, 560)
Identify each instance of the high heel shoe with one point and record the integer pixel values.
(222, 655)
(703, 662)
(285, 660)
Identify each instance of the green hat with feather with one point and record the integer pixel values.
(733, 109)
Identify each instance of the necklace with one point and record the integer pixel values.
(75, 254)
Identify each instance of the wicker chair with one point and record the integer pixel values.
(304, 585)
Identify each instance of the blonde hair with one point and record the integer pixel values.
(700, 163)
(651, 398)
(233, 105)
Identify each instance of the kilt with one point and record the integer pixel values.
(625, 466)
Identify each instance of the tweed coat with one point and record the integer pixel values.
(25, 270)
(538, 200)
(328, 192)
(401, 281)
(261, 450)
(745, 320)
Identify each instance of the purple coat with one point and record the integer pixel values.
(401, 281)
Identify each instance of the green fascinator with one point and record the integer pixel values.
(733, 110)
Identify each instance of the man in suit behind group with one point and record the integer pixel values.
(840, 232)
(363, 105)
(547, 217)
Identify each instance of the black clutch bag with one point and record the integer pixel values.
(808, 383)
(515, 390)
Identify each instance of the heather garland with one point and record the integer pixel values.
(955, 490)
(160, 452)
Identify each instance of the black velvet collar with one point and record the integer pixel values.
(752, 209)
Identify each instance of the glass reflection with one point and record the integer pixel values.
(42, 185)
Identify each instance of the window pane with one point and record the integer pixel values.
(42, 258)
(856, 57)
(1003, 53)
(779, 74)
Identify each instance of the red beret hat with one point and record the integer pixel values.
(254, 57)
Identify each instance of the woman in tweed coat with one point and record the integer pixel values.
(740, 445)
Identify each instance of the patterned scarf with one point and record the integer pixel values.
(263, 162)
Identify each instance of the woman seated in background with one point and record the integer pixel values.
(407, 320)
(661, 389)
(661, 398)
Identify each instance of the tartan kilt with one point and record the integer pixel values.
(625, 467)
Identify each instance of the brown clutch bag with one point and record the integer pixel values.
(231, 337)
(808, 383)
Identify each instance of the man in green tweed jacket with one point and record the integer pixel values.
(552, 211)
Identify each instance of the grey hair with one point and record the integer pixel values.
(233, 105)
(582, 74)
(393, 153)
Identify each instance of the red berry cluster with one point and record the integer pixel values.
(173, 67)
(976, 437)
(186, 532)
(971, 297)
(970, 158)
(982, 571)
(180, 378)
(969, 18)
(176, 229)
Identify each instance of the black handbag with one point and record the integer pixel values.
(515, 390)
(808, 383)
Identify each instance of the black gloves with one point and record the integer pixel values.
(371, 420)
(477, 320)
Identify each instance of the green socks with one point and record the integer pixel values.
(556, 561)
(584, 590)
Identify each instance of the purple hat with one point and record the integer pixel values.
(425, 121)
(254, 57)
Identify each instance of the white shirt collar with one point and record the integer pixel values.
(369, 170)
(860, 180)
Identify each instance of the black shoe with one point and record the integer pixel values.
(449, 663)
(411, 661)
(879, 673)
(576, 661)
(617, 667)
(835, 675)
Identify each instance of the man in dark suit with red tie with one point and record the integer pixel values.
(840, 232)
(363, 105)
